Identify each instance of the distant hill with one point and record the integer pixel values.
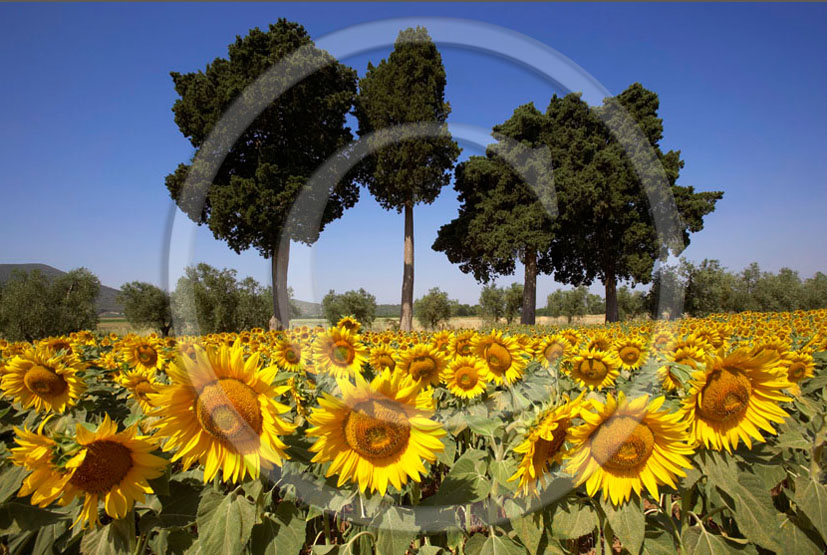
(106, 301)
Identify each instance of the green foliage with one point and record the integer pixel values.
(209, 300)
(146, 306)
(630, 304)
(268, 166)
(492, 303)
(433, 308)
(569, 303)
(359, 304)
(33, 307)
(513, 301)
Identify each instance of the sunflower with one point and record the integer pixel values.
(552, 349)
(503, 356)
(111, 467)
(690, 356)
(628, 445)
(461, 343)
(143, 354)
(349, 323)
(36, 452)
(594, 369)
(377, 433)
(600, 342)
(424, 363)
(466, 377)
(288, 354)
(140, 385)
(41, 379)
(544, 444)
(662, 339)
(219, 411)
(56, 344)
(382, 357)
(442, 340)
(339, 352)
(631, 353)
(734, 396)
(799, 367)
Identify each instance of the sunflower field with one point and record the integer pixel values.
(694, 436)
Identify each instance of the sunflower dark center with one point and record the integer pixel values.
(44, 382)
(146, 355)
(498, 358)
(466, 377)
(377, 429)
(796, 371)
(629, 354)
(622, 443)
(725, 397)
(464, 347)
(291, 355)
(386, 361)
(422, 368)
(593, 369)
(228, 410)
(105, 465)
(144, 388)
(545, 449)
(342, 353)
(553, 352)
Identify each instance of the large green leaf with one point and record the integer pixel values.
(282, 532)
(573, 520)
(493, 545)
(466, 482)
(115, 538)
(627, 522)
(17, 516)
(754, 510)
(47, 538)
(795, 539)
(394, 530)
(11, 478)
(811, 498)
(698, 541)
(178, 509)
(224, 522)
(172, 542)
(530, 530)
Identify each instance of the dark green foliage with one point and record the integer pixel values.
(146, 306)
(32, 306)
(506, 207)
(611, 191)
(433, 309)
(406, 91)
(630, 304)
(359, 304)
(569, 303)
(209, 300)
(249, 198)
(492, 303)
(513, 302)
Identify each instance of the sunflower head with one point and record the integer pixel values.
(552, 349)
(505, 358)
(630, 352)
(594, 369)
(339, 352)
(466, 377)
(383, 357)
(40, 379)
(424, 363)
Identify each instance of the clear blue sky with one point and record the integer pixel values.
(88, 136)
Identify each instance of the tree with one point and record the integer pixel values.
(492, 303)
(146, 306)
(666, 295)
(406, 89)
(709, 288)
(33, 307)
(568, 303)
(433, 308)
(268, 166)
(609, 186)
(513, 302)
(595, 304)
(814, 292)
(506, 208)
(630, 304)
(359, 304)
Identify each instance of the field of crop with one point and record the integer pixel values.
(696, 436)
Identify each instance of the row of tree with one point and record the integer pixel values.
(573, 192)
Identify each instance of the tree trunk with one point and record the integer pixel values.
(406, 319)
(611, 298)
(281, 302)
(529, 289)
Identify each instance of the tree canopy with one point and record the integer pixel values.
(248, 200)
(433, 308)
(359, 304)
(146, 306)
(405, 90)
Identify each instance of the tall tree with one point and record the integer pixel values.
(359, 304)
(433, 308)
(146, 305)
(407, 88)
(249, 199)
(506, 208)
(611, 188)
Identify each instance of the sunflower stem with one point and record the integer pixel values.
(326, 529)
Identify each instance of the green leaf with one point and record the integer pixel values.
(627, 522)
(494, 545)
(446, 456)
(225, 522)
(573, 520)
(11, 478)
(484, 426)
(466, 482)
(47, 537)
(698, 541)
(282, 532)
(754, 510)
(429, 550)
(658, 542)
(795, 539)
(113, 539)
(172, 542)
(18, 516)
(530, 530)
(811, 498)
(394, 530)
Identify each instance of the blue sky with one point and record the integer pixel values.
(87, 134)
